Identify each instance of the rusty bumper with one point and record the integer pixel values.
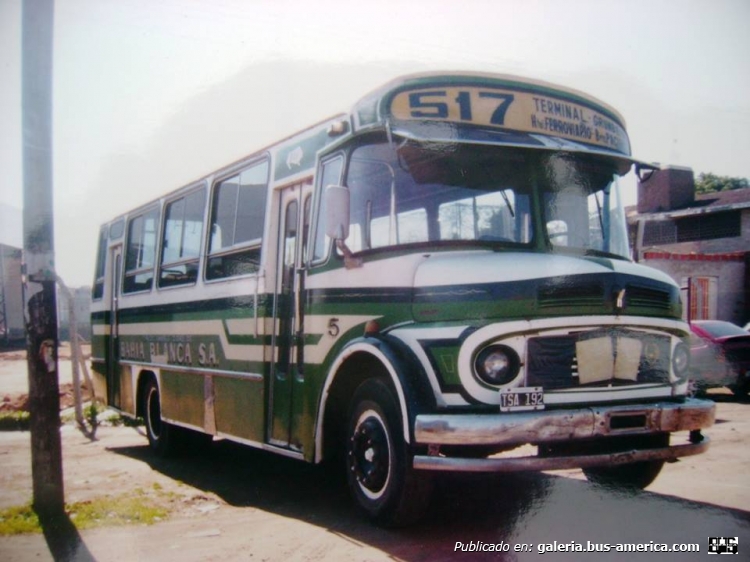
(556, 426)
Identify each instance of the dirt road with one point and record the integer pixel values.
(235, 503)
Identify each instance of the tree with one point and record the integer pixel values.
(709, 183)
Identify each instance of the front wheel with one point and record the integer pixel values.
(741, 389)
(379, 462)
(635, 475)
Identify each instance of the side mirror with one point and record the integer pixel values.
(337, 222)
(337, 212)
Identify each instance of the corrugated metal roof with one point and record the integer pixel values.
(722, 198)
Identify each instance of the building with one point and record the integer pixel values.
(11, 296)
(12, 321)
(701, 241)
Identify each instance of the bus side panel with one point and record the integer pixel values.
(182, 397)
(99, 351)
(240, 407)
(99, 379)
(127, 392)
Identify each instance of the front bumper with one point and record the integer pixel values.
(558, 426)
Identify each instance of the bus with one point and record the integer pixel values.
(423, 284)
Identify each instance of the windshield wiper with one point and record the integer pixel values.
(507, 202)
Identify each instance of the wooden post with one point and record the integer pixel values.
(77, 360)
(38, 230)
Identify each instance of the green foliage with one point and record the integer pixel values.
(710, 183)
(91, 412)
(126, 509)
(14, 421)
(131, 508)
(18, 520)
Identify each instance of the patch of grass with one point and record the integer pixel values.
(14, 421)
(134, 508)
(92, 416)
(18, 520)
(125, 509)
(127, 421)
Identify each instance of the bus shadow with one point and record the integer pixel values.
(517, 510)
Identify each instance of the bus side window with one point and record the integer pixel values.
(181, 240)
(140, 253)
(237, 218)
(101, 258)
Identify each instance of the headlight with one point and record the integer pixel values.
(497, 365)
(681, 360)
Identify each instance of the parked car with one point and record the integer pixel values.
(720, 356)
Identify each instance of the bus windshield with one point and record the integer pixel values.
(483, 195)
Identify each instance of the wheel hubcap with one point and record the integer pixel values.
(369, 457)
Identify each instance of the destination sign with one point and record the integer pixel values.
(508, 109)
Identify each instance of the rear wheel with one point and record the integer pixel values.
(163, 437)
(379, 462)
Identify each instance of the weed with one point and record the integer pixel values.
(14, 421)
(18, 520)
(133, 508)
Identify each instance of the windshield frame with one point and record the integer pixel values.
(606, 212)
(538, 241)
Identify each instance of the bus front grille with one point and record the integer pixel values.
(553, 361)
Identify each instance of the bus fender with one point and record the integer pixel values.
(403, 369)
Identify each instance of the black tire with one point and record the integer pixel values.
(379, 462)
(696, 389)
(741, 389)
(637, 475)
(163, 438)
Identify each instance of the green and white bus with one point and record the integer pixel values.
(423, 284)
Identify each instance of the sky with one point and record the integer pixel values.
(148, 96)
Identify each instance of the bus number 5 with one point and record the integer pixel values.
(422, 107)
(333, 327)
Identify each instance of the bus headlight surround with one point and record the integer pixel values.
(497, 365)
(681, 360)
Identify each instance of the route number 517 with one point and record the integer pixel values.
(442, 104)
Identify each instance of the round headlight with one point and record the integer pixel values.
(497, 365)
(681, 360)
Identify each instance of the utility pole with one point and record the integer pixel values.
(39, 264)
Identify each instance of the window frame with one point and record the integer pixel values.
(318, 210)
(161, 265)
(156, 208)
(100, 271)
(249, 245)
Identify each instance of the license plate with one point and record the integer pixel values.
(522, 398)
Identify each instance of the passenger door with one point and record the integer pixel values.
(288, 375)
(113, 347)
